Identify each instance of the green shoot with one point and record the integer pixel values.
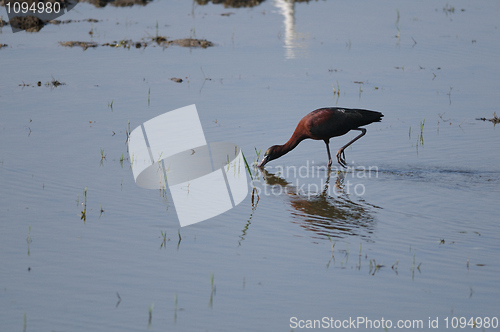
(257, 153)
(151, 312)
(246, 165)
(28, 239)
(175, 307)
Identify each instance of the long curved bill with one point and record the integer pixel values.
(263, 162)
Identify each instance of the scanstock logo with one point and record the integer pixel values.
(204, 179)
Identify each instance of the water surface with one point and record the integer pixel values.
(418, 239)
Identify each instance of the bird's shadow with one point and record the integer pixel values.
(329, 212)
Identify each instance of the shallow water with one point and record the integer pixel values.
(414, 238)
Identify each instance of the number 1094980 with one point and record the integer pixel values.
(36, 7)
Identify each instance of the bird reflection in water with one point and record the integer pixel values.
(326, 215)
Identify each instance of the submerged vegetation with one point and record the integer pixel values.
(150, 313)
(28, 239)
(212, 293)
(372, 265)
(420, 138)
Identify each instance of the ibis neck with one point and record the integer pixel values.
(290, 145)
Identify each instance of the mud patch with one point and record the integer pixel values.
(57, 22)
(28, 23)
(190, 42)
(84, 45)
(160, 41)
(35, 24)
(232, 3)
(32, 15)
(117, 3)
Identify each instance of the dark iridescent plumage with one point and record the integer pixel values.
(323, 124)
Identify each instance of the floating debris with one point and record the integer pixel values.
(53, 84)
(495, 119)
(176, 80)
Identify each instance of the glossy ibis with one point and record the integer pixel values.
(323, 124)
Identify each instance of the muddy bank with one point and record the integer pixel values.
(160, 41)
(28, 23)
(236, 3)
(117, 3)
(32, 15)
(63, 3)
(232, 3)
(35, 24)
(57, 22)
(97, 3)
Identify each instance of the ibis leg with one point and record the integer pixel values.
(341, 153)
(327, 142)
